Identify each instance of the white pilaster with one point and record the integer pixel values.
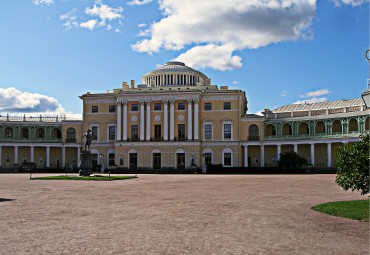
(148, 121)
(63, 157)
(278, 151)
(32, 154)
(142, 120)
(172, 120)
(190, 124)
(295, 148)
(313, 154)
(165, 120)
(119, 122)
(78, 157)
(246, 156)
(124, 121)
(196, 121)
(329, 154)
(48, 156)
(15, 154)
(262, 155)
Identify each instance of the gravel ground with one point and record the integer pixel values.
(177, 214)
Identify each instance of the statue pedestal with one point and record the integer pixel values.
(86, 164)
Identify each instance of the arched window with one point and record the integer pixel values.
(8, 132)
(270, 130)
(253, 132)
(71, 135)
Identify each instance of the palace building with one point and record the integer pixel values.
(176, 119)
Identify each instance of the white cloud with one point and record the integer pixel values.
(16, 102)
(316, 93)
(349, 2)
(312, 100)
(43, 2)
(146, 32)
(109, 27)
(213, 56)
(69, 19)
(105, 12)
(142, 25)
(284, 93)
(89, 24)
(235, 82)
(117, 30)
(225, 27)
(139, 2)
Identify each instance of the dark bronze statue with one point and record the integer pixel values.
(88, 139)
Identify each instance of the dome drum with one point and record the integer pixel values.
(174, 74)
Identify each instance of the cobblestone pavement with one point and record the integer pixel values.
(177, 214)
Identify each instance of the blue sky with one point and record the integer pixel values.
(279, 52)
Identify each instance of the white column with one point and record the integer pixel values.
(63, 157)
(262, 155)
(313, 154)
(172, 120)
(165, 120)
(78, 156)
(1, 156)
(329, 154)
(196, 122)
(119, 122)
(124, 121)
(32, 154)
(246, 156)
(278, 151)
(15, 154)
(295, 148)
(148, 121)
(190, 123)
(142, 120)
(48, 156)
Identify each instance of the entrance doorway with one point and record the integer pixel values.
(133, 160)
(180, 160)
(156, 160)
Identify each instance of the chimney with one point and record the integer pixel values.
(124, 84)
(107, 91)
(132, 84)
(208, 82)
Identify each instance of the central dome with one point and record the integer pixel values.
(174, 74)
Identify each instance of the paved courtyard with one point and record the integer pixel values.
(177, 214)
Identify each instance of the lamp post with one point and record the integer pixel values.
(366, 95)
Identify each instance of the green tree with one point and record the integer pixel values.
(291, 160)
(352, 162)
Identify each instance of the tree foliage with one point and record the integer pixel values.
(291, 160)
(352, 162)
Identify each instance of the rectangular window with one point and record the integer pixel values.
(180, 106)
(227, 159)
(112, 108)
(111, 159)
(134, 132)
(181, 131)
(94, 133)
(227, 130)
(207, 106)
(208, 131)
(157, 106)
(112, 132)
(94, 108)
(134, 107)
(157, 132)
(227, 106)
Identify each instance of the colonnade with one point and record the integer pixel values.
(47, 156)
(295, 146)
(171, 79)
(145, 123)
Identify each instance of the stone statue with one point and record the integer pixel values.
(88, 139)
